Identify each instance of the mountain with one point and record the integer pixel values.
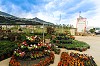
(42, 21)
(6, 18)
(5, 14)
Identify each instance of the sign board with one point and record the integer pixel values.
(81, 24)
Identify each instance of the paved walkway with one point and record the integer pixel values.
(5, 62)
(57, 58)
(94, 42)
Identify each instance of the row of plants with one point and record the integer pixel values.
(62, 41)
(25, 55)
(11, 36)
(6, 49)
(76, 59)
(69, 42)
(56, 50)
(76, 45)
(62, 37)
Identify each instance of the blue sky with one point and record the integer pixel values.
(50, 10)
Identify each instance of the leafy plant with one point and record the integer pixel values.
(76, 45)
(92, 30)
(7, 47)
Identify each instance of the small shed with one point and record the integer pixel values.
(73, 31)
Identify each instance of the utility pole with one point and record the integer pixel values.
(79, 14)
(43, 33)
(60, 23)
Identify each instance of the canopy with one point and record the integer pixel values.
(17, 21)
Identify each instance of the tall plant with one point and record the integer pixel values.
(50, 30)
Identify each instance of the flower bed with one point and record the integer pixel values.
(76, 59)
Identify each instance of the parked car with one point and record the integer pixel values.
(97, 30)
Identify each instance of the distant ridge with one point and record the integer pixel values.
(6, 18)
(5, 14)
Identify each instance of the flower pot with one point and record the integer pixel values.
(2, 57)
(9, 55)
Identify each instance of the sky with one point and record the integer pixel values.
(55, 11)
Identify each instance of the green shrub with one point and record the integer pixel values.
(57, 51)
(7, 47)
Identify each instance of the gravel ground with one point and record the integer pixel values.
(93, 41)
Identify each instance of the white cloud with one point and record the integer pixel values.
(95, 20)
(48, 13)
(50, 5)
(93, 16)
(53, 4)
(64, 2)
(47, 17)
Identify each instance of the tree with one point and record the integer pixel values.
(50, 30)
(92, 30)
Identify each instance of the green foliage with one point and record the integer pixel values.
(62, 39)
(57, 51)
(48, 36)
(92, 30)
(7, 47)
(62, 34)
(68, 42)
(76, 45)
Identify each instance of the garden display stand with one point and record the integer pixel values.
(32, 52)
(69, 42)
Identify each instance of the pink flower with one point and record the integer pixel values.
(24, 42)
(22, 54)
(39, 44)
